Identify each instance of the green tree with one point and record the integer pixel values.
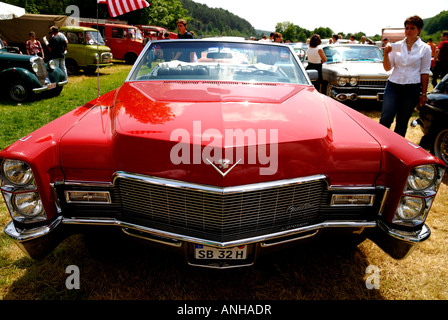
(287, 29)
(323, 32)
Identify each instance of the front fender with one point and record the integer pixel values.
(55, 75)
(25, 75)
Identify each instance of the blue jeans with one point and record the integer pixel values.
(60, 63)
(399, 100)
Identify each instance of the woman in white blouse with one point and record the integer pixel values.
(316, 57)
(410, 62)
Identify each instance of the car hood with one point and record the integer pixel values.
(438, 101)
(176, 130)
(352, 68)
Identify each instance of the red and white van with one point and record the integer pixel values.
(125, 41)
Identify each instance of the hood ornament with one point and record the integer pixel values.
(223, 164)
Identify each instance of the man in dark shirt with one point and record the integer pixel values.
(58, 46)
(182, 27)
(184, 55)
(441, 57)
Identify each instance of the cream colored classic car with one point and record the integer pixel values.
(353, 72)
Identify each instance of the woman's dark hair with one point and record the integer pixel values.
(414, 20)
(315, 40)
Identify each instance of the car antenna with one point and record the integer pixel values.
(97, 53)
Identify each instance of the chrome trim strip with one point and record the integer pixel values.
(41, 89)
(55, 198)
(86, 184)
(31, 234)
(352, 188)
(383, 202)
(228, 244)
(299, 237)
(214, 189)
(412, 237)
(173, 243)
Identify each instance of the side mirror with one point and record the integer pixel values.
(313, 74)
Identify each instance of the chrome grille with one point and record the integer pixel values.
(42, 72)
(105, 57)
(221, 214)
(372, 83)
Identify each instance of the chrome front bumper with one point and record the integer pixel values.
(38, 242)
(48, 87)
(353, 96)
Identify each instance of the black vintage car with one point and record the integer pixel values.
(433, 119)
(23, 76)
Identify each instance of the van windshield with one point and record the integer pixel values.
(94, 38)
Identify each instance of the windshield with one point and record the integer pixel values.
(336, 53)
(221, 61)
(94, 37)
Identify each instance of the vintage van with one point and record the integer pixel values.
(86, 50)
(125, 41)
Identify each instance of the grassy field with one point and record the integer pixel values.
(134, 272)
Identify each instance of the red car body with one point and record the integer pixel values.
(210, 166)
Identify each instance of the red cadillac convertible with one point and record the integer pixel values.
(223, 150)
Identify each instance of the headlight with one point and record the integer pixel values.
(410, 208)
(28, 205)
(418, 196)
(422, 177)
(412, 211)
(342, 81)
(353, 81)
(52, 64)
(17, 172)
(35, 67)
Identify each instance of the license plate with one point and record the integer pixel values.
(211, 253)
(51, 85)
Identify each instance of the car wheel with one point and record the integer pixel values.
(90, 71)
(19, 91)
(72, 67)
(130, 58)
(441, 146)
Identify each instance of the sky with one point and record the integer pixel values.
(347, 16)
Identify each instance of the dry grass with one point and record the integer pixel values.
(313, 272)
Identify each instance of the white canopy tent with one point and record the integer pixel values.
(8, 11)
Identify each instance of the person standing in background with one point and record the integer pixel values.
(410, 60)
(182, 28)
(58, 46)
(316, 57)
(33, 46)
